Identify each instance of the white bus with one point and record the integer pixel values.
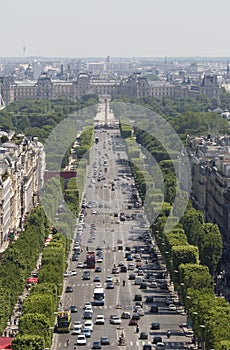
(99, 297)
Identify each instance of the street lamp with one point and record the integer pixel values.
(202, 327)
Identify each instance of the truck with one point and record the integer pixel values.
(90, 260)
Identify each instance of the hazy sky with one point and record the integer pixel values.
(83, 28)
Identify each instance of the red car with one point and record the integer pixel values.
(133, 322)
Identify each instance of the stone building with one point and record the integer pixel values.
(211, 180)
(22, 166)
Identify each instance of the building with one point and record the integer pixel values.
(22, 166)
(211, 180)
(134, 86)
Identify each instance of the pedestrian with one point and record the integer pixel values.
(5, 333)
(60, 303)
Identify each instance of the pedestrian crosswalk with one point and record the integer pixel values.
(139, 344)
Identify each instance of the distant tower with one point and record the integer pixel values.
(165, 59)
(228, 69)
(24, 51)
(108, 59)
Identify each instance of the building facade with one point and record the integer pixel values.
(22, 166)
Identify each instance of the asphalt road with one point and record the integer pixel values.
(103, 204)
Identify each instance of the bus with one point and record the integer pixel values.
(91, 260)
(98, 297)
(63, 321)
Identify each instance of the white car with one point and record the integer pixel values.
(98, 285)
(172, 307)
(76, 329)
(100, 319)
(89, 309)
(77, 323)
(99, 259)
(80, 265)
(81, 339)
(87, 304)
(109, 279)
(68, 274)
(114, 319)
(89, 325)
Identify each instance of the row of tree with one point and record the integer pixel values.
(36, 324)
(19, 260)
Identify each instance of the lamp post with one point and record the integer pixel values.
(194, 325)
(202, 327)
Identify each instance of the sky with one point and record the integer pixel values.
(118, 28)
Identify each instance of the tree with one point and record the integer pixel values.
(28, 342)
(210, 246)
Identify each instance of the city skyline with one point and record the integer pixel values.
(119, 29)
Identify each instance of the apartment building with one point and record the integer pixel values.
(211, 180)
(22, 166)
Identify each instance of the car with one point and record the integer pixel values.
(154, 308)
(172, 307)
(114, 319)
(100, 319)
(74, 273)
(160, 346)
(69, 289)
(123, 269)
(131, 266)
(125, 315)
(87, 305)
(89, 325)
(140, 312)
(147, 347)
(68, 274)
(157, 339)
(76, 329)
(133, 322)
(132, 276)
(149, 299)
(81, 339)
(153, 285)
(105, 341)
(86, 332)
(97, 279)
(73, 308)
(109, 279)
(109, 285)
(155, 325)
(168, 300)
(143, 286)
(78, 323)
(138, 304)
(143, 335)
(96, 345)
(135, 316)
(115, 270)
(89, 309)
(98, 285)
(137, 297)
(87, 315)
(98, 269)
(99, 259)
(80, 265)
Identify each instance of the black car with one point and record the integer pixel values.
(96, 345)
(155, 325)
(137, 297)
(105, 341)
(69, 289)
(149, 299)
(143, 286)
(157, 339)
(73, 308)
(147, 347)
(132, 276)
(154, 308)
(143, 335)
(123, 269)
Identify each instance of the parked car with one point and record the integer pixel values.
(154, 308)
(157, 339)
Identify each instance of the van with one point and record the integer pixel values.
(138, 280)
